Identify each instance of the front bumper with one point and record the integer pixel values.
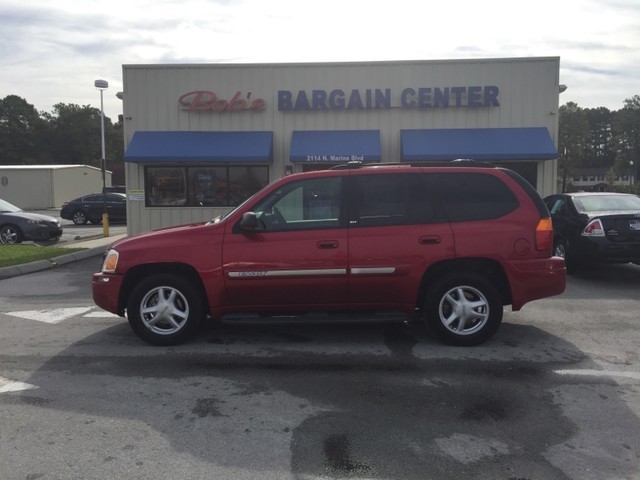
(42, 234)
(105, 289)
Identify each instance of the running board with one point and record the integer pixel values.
(319, 318)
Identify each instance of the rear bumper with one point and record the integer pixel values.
(106, 292)
(601, 249)
(535, 279)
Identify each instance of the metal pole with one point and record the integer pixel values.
(105, 214)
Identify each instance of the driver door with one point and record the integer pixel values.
(297, 255)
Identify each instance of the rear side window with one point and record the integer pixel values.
(392, 199)
(472, 196)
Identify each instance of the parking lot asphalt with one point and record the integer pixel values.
(93, 245)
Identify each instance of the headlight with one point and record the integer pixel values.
(110, 262)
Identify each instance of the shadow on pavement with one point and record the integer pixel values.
(356, 401)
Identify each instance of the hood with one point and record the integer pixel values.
(32, 216)
(166, 236)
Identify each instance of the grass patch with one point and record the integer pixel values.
(19, 254)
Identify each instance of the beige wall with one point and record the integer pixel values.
(529, 94)
(48, 186)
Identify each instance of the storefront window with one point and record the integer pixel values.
(208, 186)
(166, 187)
(202, 186)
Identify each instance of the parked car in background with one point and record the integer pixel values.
(91, 207)
(450, 244)
(593, 227)
(17, 225)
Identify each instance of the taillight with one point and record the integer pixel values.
(544, 234)
(593, 229)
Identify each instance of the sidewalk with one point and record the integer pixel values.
(95, 246)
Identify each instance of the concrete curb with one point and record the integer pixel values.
(26, 268)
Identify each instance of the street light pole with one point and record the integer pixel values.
(102, 85)
(630, 174)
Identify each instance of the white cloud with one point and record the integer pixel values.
(51, 52)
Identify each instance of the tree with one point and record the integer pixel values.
(599, 147)
(573, 139)
(626, 137)
(74, 134)
(21, 132)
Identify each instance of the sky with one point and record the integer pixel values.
(52, 51)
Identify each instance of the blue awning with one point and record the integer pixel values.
(337, 146)
(177, 147)
(478, 144)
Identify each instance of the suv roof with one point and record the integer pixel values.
(461, 162)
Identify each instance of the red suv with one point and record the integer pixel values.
(449, 243)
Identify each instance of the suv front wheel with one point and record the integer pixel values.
(463, 309)
(165, 310)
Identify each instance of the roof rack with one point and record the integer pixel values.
(459, 162)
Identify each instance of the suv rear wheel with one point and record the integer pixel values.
(463, 309)
(165, 310)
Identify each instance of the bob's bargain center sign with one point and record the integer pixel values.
(367, 99)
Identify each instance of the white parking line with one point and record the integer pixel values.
(7, 385)
(599, 373)
(56, 315)
(101, 314)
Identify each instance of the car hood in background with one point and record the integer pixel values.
(30, 216)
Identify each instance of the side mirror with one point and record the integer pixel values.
(249, 222)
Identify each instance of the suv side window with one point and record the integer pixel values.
(473, 196)
(303, 205)
(392, 199)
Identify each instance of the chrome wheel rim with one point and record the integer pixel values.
(9, 235)
(79, 218)
(164, 310)
(464, 310)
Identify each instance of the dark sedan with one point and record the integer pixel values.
(17, 225)
(595, 227)
(91, 207)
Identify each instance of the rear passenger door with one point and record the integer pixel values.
(94, 206)
(395, 233)
(116, 207)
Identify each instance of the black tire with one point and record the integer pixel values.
(79, 217)
(560, 249)
(470, 322)
(165, 310)
(10, 234)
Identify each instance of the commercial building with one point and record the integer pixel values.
(200, 139)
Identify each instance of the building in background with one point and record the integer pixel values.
(599, 180)
(39, 187)
(199, 139)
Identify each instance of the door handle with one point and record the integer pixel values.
(429, 240)
(327, 244)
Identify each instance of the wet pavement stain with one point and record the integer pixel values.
(337, 453)
(206, 407)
